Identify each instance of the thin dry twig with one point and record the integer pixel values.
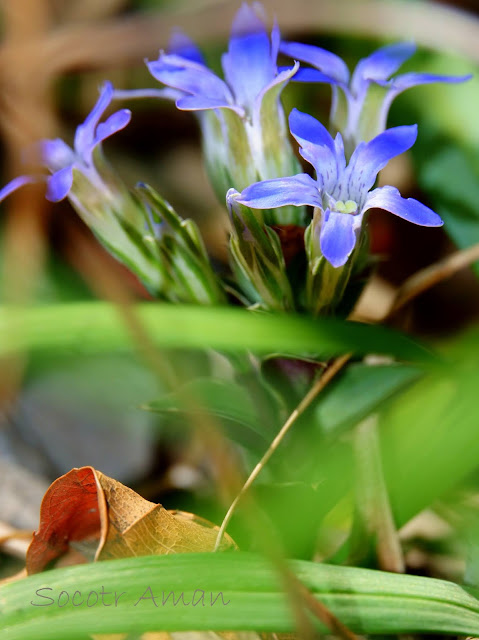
(317, 387)
(417, 284)
(101, 274)
(320, 611)
(432, 275)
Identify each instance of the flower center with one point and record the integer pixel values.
(341, 206)
(345, 207)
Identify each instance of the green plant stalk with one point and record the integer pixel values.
(369, 602)
(372, 501)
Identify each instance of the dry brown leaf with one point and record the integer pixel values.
(138, 527)
(84, 509)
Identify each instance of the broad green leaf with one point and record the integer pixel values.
(224, 399)
(358, 391)
(452, 173)
(98, 327)
(429, 438)
(451, 177)
(293, 510)
(232, 591)
(430, 433)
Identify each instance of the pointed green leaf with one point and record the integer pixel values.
(241, 592)
(98, 327)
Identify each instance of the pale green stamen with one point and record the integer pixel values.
(345, 207)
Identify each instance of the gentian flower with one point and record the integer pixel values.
(361, 102)
(96, 193)
(341, 192)
(141, 231)
(66, 163)
(244, 130)
(99, 197)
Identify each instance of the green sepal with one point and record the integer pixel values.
(370, 122)
(326, 290)
(256, 253)
(117, 219)
(182, 254)
(339, 117)
(240, 151)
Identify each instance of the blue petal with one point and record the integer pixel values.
(327, 62)
(308, 74)
(389, 199)
(85, 133)
(369, 158)
(248, 65)
(408, 80)
(276, 85)
(132, 94)
(114, 123)
(189, 77)
(15, 184)
(59, 184)
(296, 190)
(337, 237)
(317, 146)
(200, 103)
(56, 154)
(380, 65)
(306, 129)
(275, 41)
(181, 45)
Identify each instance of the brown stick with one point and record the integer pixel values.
(432, 275)
(317, 387)
(320, 611)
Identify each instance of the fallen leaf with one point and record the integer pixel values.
(84, 510)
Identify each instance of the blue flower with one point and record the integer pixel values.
(341, 192)
(62, 161)
(98, 196)
(361, 102)
(249, 67)
(244, 130)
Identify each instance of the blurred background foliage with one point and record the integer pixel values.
(119, 415)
